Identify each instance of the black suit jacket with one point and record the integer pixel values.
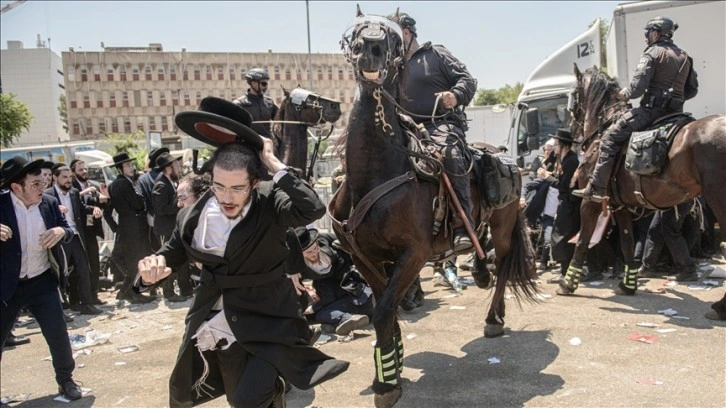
(79, 209)
(132, 229)
(11, 250)
(91, 200)
(165, 206)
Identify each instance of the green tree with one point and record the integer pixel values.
(604, 24)
(15, 118)
(132, 143)
(504, 95)
(63, 112)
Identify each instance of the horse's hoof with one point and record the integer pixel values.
(564, 290)
(625, 291)
(483, 280)
(493, 330)
(388, 399)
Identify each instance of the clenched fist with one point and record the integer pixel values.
(153, 269)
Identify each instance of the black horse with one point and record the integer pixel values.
(383, 215)
(299, 110)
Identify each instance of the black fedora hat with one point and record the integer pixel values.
(15, 168)
(121, 158)
(306, 236)
(165, 159)
(217, 122)
(564, 135)
(155, 153)
(47, 164)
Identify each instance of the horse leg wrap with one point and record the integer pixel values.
(572, 277)
(398, 341)
(630, 281)
(387, 365)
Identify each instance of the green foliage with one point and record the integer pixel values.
(604, 24)
(134, 144)
(15, 118)
(63, 111)
(504, 95)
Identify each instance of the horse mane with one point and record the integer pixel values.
(277, 127)
(600, 90)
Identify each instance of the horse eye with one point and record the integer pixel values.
(334, 106)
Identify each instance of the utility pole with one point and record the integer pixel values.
(310, 58)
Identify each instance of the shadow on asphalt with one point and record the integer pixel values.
(47, 401)
(471, 380)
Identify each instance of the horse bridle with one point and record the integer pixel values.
(373, 27)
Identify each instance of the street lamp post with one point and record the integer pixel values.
(310, 58)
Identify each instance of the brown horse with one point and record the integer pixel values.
(383, 215)
(299, 110)
(696, 165)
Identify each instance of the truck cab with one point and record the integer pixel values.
(542, 105)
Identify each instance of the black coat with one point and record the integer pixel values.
(259, 300)
(92, 201)
(132, 228)
(11, 250)
(567, 220)
(165, 206)
(79, 209)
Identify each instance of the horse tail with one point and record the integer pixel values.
(518, 267)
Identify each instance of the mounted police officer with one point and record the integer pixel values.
(665, 79)
(261, 107)
(434, 73)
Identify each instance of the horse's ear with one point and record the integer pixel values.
(398, 14)
(595, 68)
(358, 12)
(578, 75)
(285, 91)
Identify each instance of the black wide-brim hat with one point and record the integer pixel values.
(217, 122)
(564, 135)
(15, 168)
(121, 158)
(166, 159)
(306, 236)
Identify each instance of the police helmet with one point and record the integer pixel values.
(664, 25)
(404, 20)
(257, 74)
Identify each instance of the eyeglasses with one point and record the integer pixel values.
(263, 83)
(36, 185)
(234, 191)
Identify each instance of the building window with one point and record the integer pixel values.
(208, 73)
(298, 73)
(197, 72)
(172, 72)
(122, 72)
(199, 96)
(277, 72)
(137, 98)
(187, 100)
(242, 72)
(147, 71)
(152, 123)
(162, 98)
(174, 98)
(99, 100)
(330, 73)
(125, 99)
(112, 99)
(114, 125)
(164, 125)
(231, 72)
(76, 128)
(86, 101)
(109, 74)
(288, 74)
(185, 74)
(97, 73)
(140, 123)
(89, 128)
(149, 98)
(350, 73)
(320, 73)
(127, 125)
(71, 70)
(135, 74)
(72, 100)
(220, 72)
(160, 73)
(102, 126)
(84, 74)
(340, 74)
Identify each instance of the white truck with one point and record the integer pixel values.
(547, 88)
(488, 124)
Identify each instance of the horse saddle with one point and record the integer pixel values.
(647, 150)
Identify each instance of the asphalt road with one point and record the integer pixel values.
(448, 360)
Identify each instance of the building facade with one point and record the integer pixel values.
(35, 76)
(122, 90)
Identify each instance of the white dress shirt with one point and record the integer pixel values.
(34, 259)
(65, 200)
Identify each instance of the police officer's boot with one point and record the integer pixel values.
(596, 188)
(461, 186)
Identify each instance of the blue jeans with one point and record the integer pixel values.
(40, 296)
(548, 223)
(342, 309)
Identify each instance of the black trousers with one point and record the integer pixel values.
(181, 277)
(79, 280)
(40, 296)
(91, 243)
(666, 231)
